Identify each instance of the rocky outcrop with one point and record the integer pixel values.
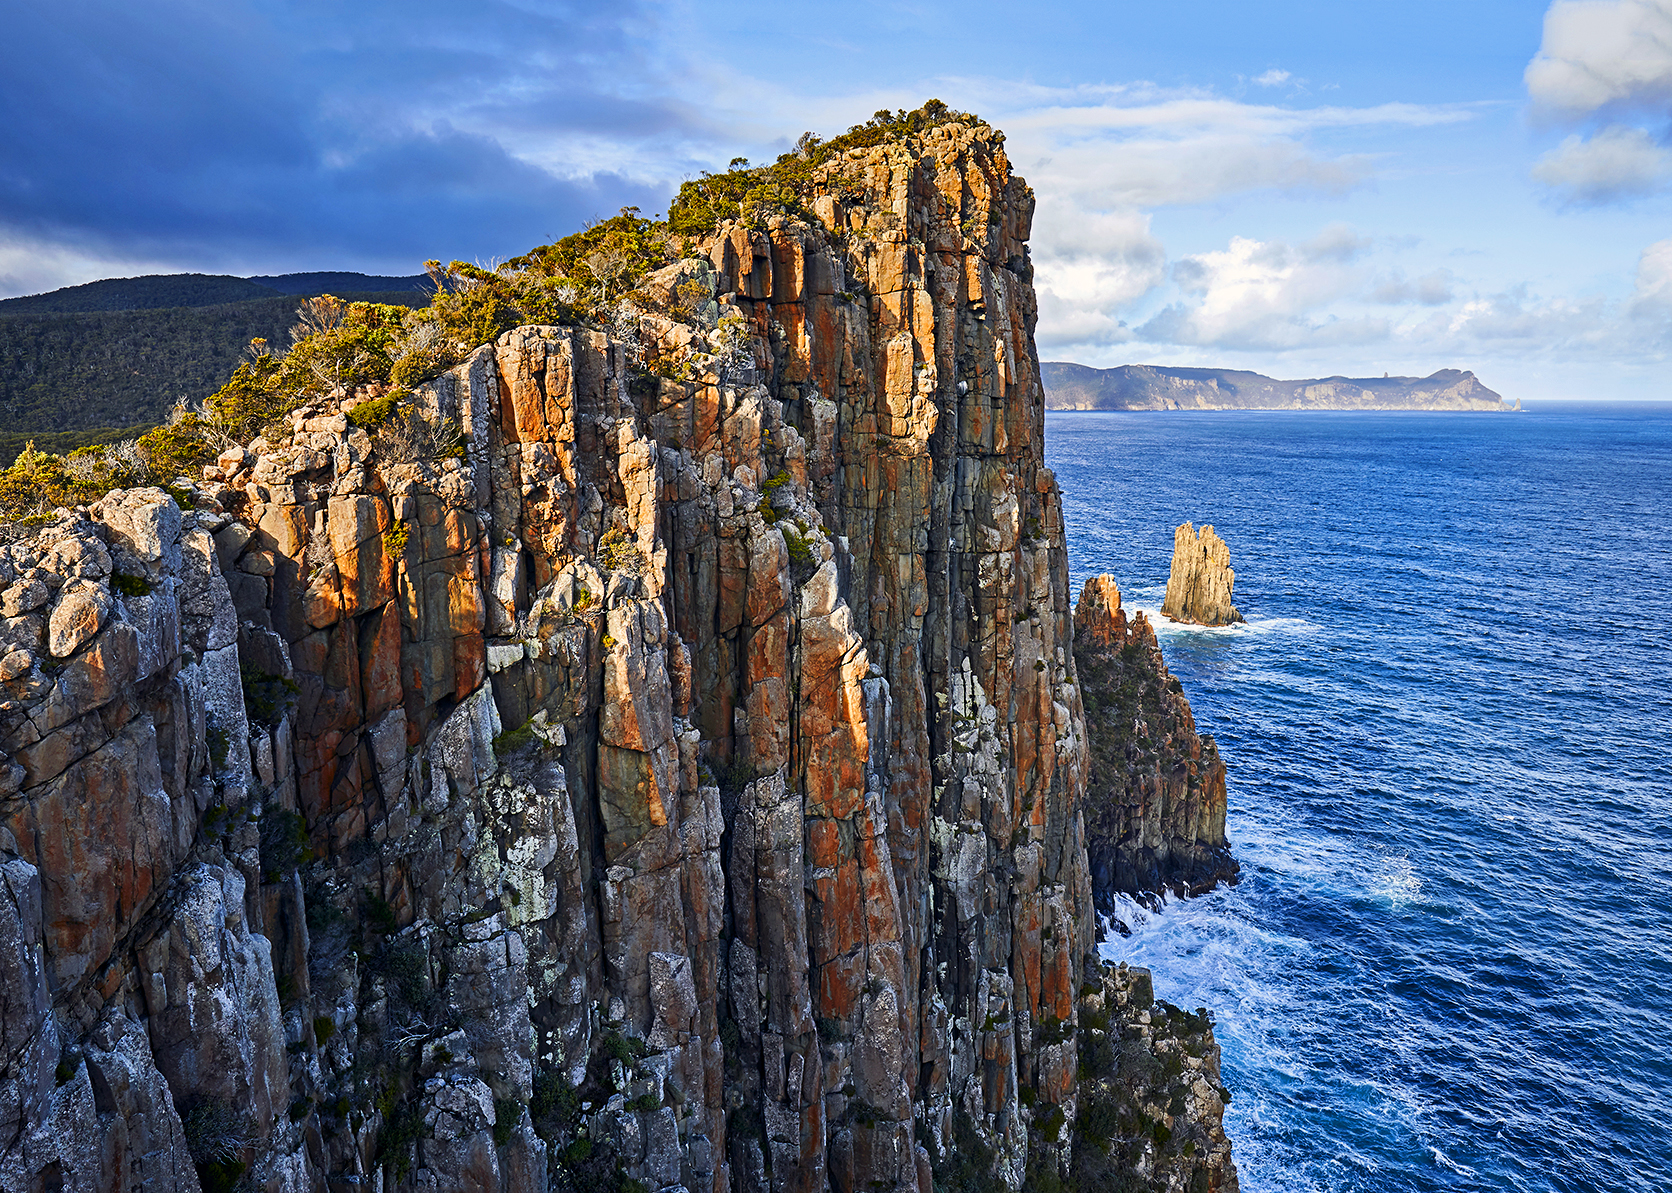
(655, 757)
(1153, 1105)
(1155, 788)
(1199, 587)
(1158, 387)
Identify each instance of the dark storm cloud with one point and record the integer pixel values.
(257, 130)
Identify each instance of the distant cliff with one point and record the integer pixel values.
(1154, 387)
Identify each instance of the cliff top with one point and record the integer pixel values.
(605, 276)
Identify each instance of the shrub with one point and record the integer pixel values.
(380, 916)
(969, 1166)
(284, 843)
(406, 970)
(556, 1106)
(507, 1113)
(37, 482)
(618, 553)
(395, 539)
(401, 1129)
(749, 195)
(801, 551)
(513, 739)
(368, 415)
(422, 350)
(599, 264)
(267, 698)
(133, 586)
(407, 437)
(215, 1135)
(220, 746)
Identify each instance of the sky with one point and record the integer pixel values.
(1299, 188)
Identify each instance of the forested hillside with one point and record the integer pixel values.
(158, 291)
(75, 372)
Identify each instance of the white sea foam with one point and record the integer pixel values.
(1396, 880)
(1255, 626)
(1446, 1162)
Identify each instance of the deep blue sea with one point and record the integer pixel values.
(1449, 963)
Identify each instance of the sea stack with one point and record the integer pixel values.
(1199, 589)
(1155, 789)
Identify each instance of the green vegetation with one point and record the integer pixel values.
(512, 740)
(62, 443)
(92, 370)
(220, 747)
(284, 843)
(507, 1113)
(369, 415)
(577, 1163)
(67, 372)
(158, 291)
(801, 551)
(751, 194)
(618, 553)
(970, 1165)
(267, 698)
(216, 1132)
(140, 294)
(379, 915)
(133, 586)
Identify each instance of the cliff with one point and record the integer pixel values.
(1201, 580)
(1156, 387)
(651, 756)
(1155, 802)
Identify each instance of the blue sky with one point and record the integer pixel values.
(1301, 188)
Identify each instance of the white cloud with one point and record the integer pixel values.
(1272, 78)
(1430, 290)
(32, 266)
(1268, 295)
(1601, 53)
(1092, 265)
(1521, 321)
(1103, 158)
(1617, 163)
(1651, 303)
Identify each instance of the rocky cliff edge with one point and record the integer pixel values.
(647, 758)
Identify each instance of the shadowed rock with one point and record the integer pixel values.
(1155, 789)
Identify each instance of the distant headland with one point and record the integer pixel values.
(1156, 387)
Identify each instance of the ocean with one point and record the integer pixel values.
(1449, 963)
